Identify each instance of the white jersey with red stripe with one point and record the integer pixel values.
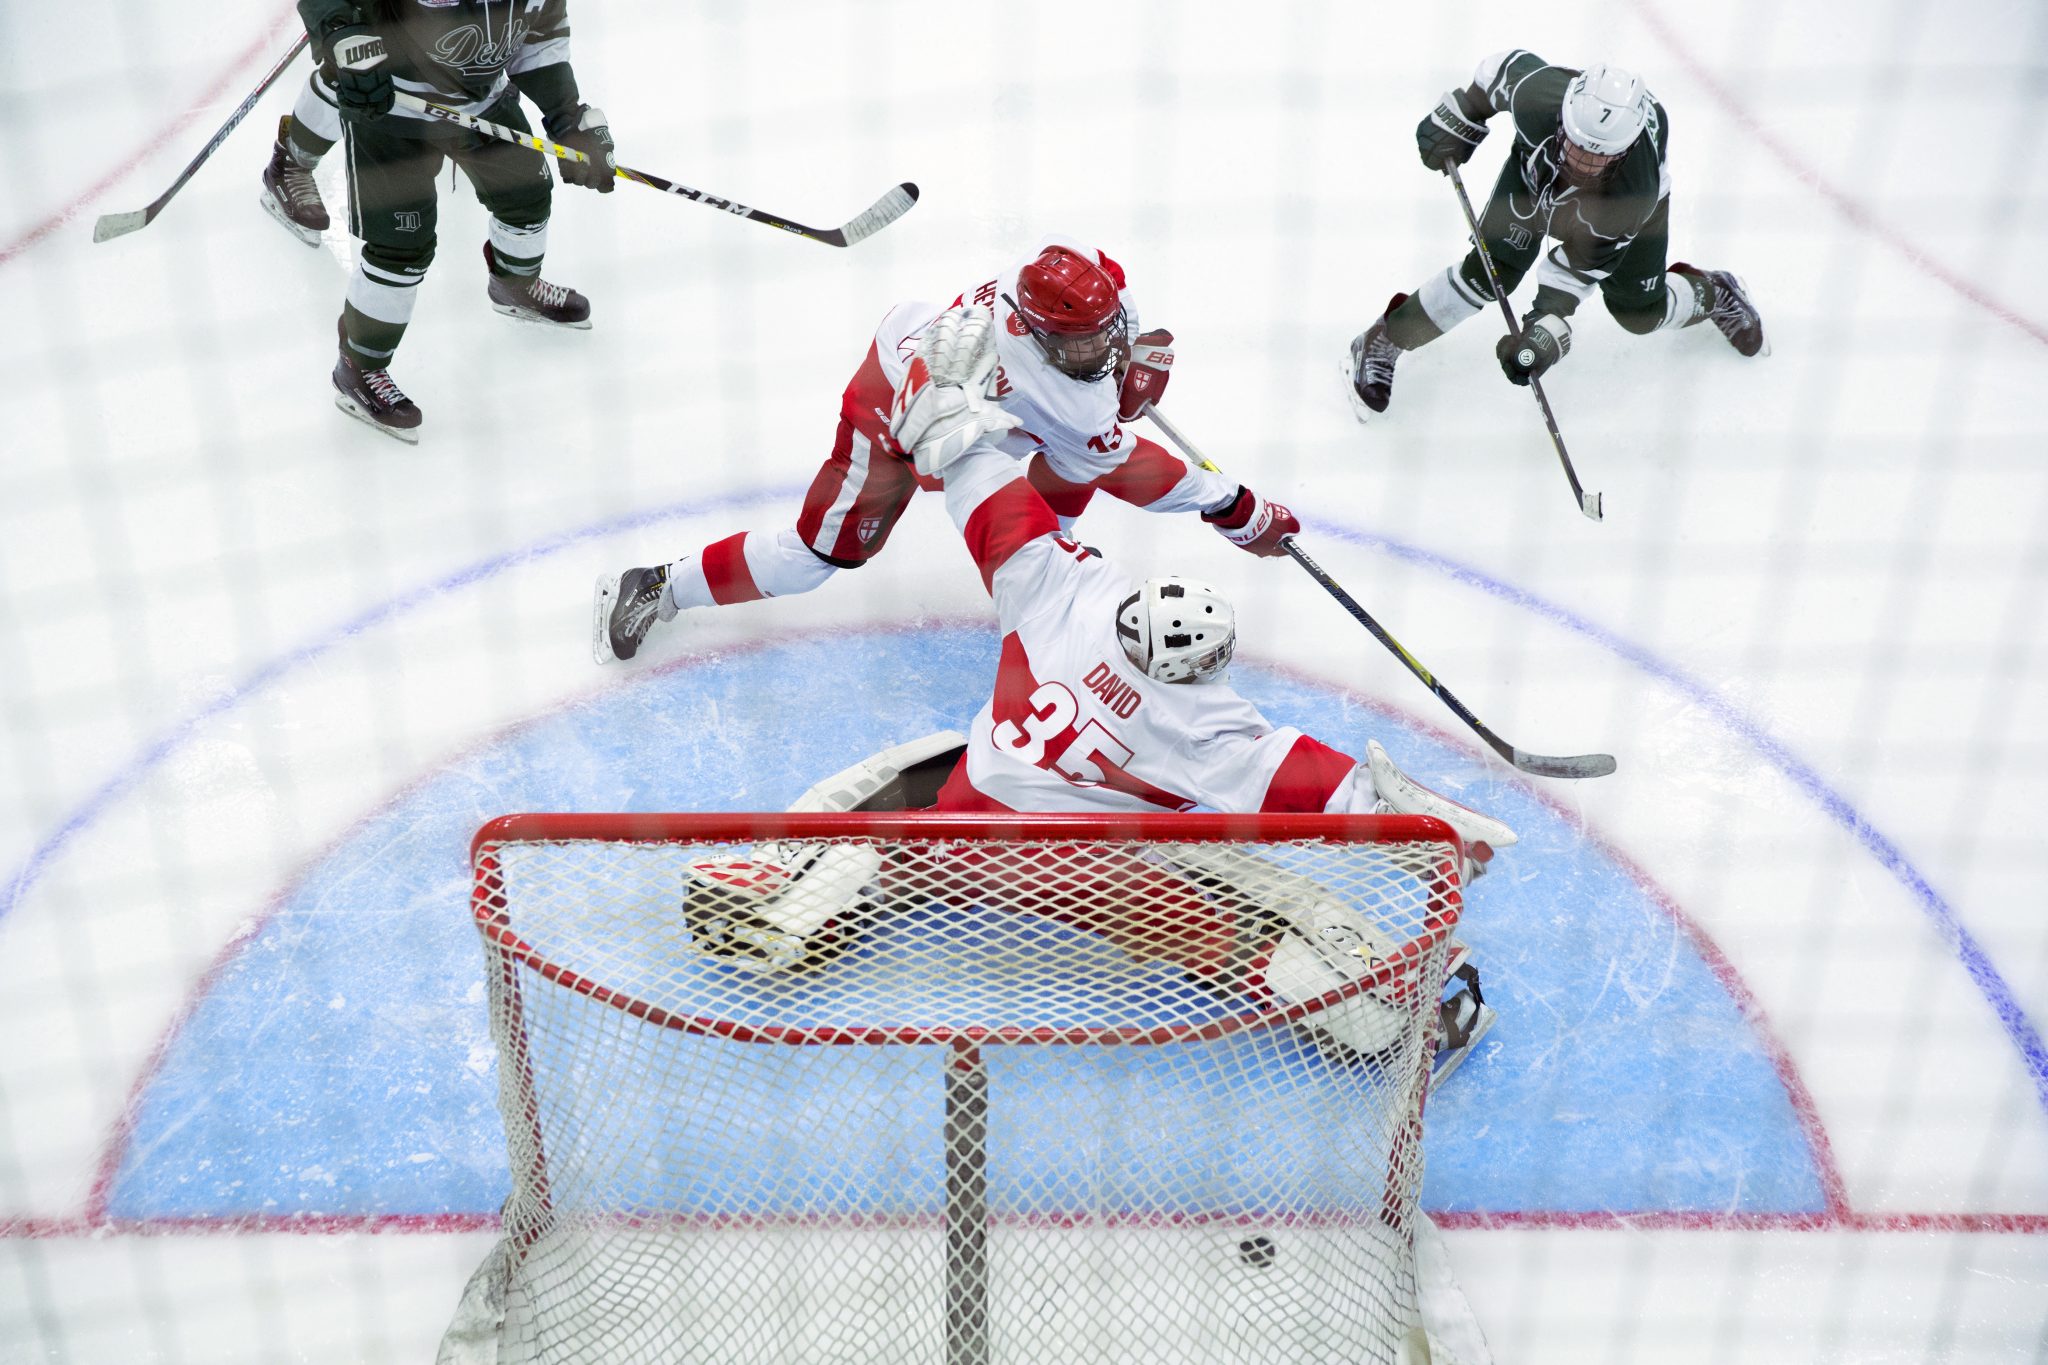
(1071, 423)
(1073, 726)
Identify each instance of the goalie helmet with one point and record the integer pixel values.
(1071, 307)
(1177, 630)
(1605, 110)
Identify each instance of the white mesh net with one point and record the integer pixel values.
(1023, 1096)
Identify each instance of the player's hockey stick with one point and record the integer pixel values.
(1589, 503)
(112, 225)
(1542, 765)
(879, 215)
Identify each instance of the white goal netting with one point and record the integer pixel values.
(1023, 1094)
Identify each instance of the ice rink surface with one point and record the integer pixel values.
(1769, 1083)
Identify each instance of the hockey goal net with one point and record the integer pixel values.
(1020, 1094)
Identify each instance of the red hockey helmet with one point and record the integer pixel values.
(1070, 306)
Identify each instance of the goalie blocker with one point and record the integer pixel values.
(1238, 923)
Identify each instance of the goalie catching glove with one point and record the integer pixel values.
(942, 407)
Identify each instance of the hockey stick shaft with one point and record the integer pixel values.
(1589, 503)
(112, 225)
(1542, 765)
(879, 215)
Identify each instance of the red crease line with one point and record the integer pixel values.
(1649, 1220)
(1856, 212)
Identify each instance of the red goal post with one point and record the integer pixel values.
(1029, 1090)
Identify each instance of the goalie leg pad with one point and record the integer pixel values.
(1400, 794)
(1342, 948)
(787, 913)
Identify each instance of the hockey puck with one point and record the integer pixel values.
(1256, 1252)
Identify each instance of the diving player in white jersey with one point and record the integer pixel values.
(1070, 374)
(1110, 696)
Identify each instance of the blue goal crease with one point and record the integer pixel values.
(340, 1063)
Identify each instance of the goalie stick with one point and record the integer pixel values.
(1541, 765)
(1589, 503)
(112, 225)
(861, 226)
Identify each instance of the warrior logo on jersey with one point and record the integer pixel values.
(1518, 237)
(406, 220)
(867, 529)
(474, 52)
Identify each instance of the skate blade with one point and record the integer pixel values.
(601, 618)
(1449, 1062)
(276, 210)
(409, 435)
(518, 314)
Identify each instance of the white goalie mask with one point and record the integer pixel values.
(1605, 111)
(1177, 630)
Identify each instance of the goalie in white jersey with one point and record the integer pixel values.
(1110, 696)
(1068, 372)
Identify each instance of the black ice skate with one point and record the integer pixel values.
(1371, 371)
(370, 396)
(532, 299)
(625, 607)
(289, 194)
(1732, 311)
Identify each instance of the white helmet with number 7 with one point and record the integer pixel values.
(1605, 110)
(1177, 630)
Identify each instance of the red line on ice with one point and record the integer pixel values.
(1837, 1215)
(213, 92)
(1858, 214)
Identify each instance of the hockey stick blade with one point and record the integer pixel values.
(1544, 765)
(1589, 503)
(879, 215)
(112, 225)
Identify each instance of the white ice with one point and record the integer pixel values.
(1842, 544)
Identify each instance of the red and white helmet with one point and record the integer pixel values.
(1177, 630)
(1605, 110)
(1071, 307)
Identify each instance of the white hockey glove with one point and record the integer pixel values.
(943, 407)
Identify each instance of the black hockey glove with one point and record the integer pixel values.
(1544, 340)
(356, 69)
(582, 128)
(1447, 138)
